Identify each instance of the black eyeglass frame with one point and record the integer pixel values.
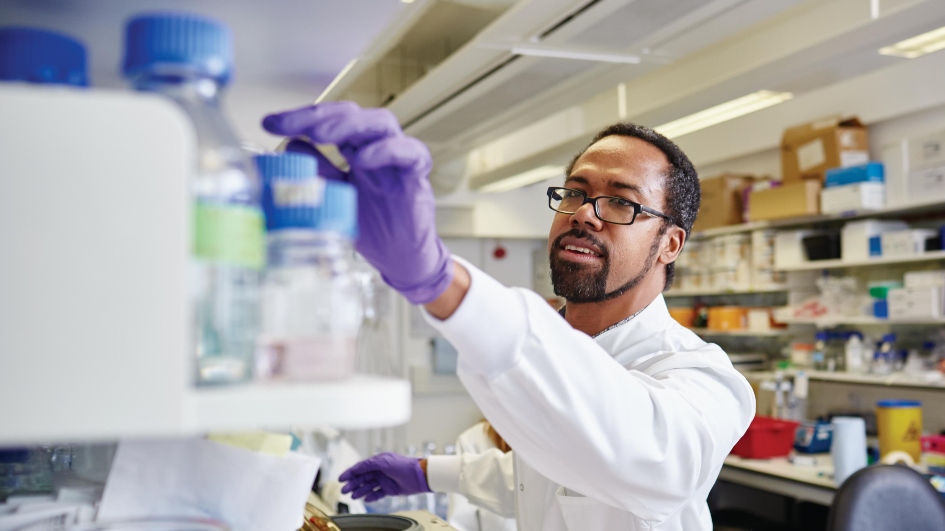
(637, 207)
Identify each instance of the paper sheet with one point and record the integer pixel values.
(200, 478)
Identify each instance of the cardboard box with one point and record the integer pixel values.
(923, 186)
(925, 279)
(915, 303)
(789, 248)
(855, 237)
(809, 150)
(788, 201)
(721, 201)
(895, 157)
(927, 151)
(853, 197)
(909, 242)
(872, 172)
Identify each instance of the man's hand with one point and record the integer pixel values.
(385, 474)
(396, 211)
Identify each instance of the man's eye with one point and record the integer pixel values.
(620, 202)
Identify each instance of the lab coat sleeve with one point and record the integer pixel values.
(486, 479)
(640, 443)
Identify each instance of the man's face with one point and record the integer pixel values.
(620, 255)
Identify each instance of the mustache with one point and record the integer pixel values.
(583, 235)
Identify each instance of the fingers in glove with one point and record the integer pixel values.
(299, 121)
(401, 152)
(341, 123)
(376, 495)
(364, 490)
(326, 168)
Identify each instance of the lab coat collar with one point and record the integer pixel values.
(642, 335)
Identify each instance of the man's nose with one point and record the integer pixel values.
(585, 217)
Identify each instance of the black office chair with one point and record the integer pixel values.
(887, 498)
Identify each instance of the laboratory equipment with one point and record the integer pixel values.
(899, 423)
(188, 59)
(311, 300)
(35, 55)
(884, 357)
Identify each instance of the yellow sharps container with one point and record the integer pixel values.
(899, 423)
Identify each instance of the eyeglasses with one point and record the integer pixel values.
(616, 210)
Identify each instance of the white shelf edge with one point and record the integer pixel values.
(707, 293)
(744, 333)
(807, 220)
(892, 380)
(840, 263)
(865, 320)
(359, 402)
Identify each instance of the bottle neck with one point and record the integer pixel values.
(293, 247)
(184, 87)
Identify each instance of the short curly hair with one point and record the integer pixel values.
(683, 194)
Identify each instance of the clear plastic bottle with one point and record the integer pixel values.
(853, 353)
(42, 57)
(311, 303)
(188, 58)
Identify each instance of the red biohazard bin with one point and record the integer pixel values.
(766, 437)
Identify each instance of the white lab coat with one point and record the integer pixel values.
(464, 515)
(624, 431)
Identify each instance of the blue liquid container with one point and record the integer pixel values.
(188, 59)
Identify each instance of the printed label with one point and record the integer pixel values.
(229, 234)
(853, 158)
(286, 193)
(811, 155)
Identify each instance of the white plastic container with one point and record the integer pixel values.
(855, 236)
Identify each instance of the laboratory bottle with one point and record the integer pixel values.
(188, 59)
(311, 300)
(820, 351)
(37, 56)
(853, 353)
(884, 358)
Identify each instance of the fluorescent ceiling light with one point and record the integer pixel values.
(582, 55)
(723, 113)
(917, 46)
(523, 179)
(343, 73)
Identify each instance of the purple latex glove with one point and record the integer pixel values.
(396, 211)
(385, 474)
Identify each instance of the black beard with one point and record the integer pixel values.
(577, 283)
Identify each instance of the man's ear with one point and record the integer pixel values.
(673, 242)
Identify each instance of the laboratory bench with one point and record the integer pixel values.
(812, 483)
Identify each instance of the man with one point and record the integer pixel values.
(619, 418)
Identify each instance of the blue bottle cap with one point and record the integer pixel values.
(40, 56)
(294, 197)
(176, 42)
(821, 336)
(889, 338)
(899, 403)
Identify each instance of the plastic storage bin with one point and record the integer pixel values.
(766, 437)
(824, 246)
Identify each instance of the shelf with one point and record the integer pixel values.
(892, 380)
(740, 333)
(359, 402)
(709, 293)
(840, 263)
(916, 208)
(827, 322)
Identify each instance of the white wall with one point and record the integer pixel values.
(442, 412)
